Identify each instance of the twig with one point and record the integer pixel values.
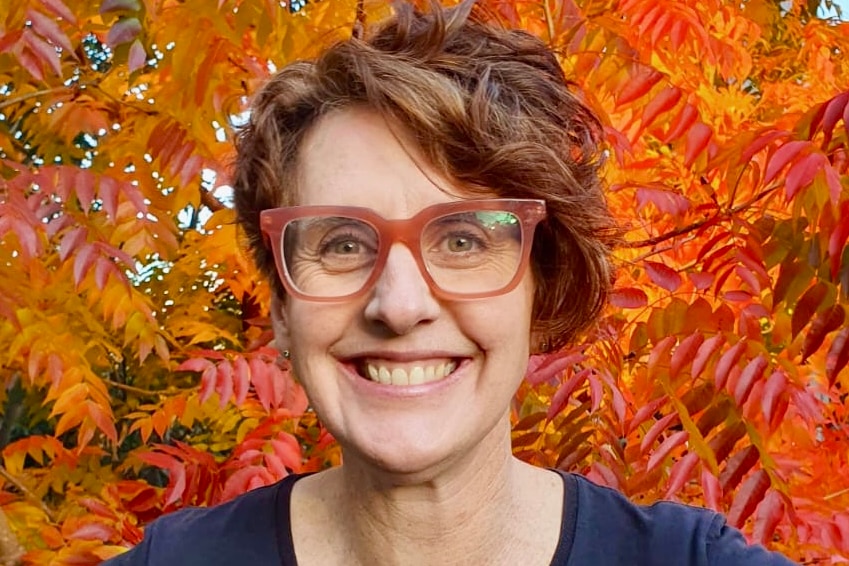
(210, 201)
(549, 21)
(130, 388)
(36, 94)
(27, 493)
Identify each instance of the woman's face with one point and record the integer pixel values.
(476, 351)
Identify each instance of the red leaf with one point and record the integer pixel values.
(659, 353)
(767, 517)
(123, 31)
(119, 6)
(84, 187)
(656, 430)
(93, 531)
(802, 173)
(837, 240)
(760, 143)
(31, 62)
(665, 201)
(726, 362)
(241, 380)
(663, 102)
(261, 380)
(772, 393)
(640, 80)
(561, 396)
(207, 383)
(645, 412)
(832, 111)
(71, 241)
(668, 445)
(712, 490)
(838, 356)
(663, 275)
(807, 306)
(708, 348)
(737, 467)
(753, 371)
(224, 382)
(697, 140)
(83, 261)
(748, 497)
(48, 28)
(108, 193)
(685, 353)
(680, 473)
(551, 365)
(629, 298)
(681, 123)
(195, 364)
(827, 321)
(701, 281)
(44, 51)
(782, 156)
(288, 450)
(59, 9)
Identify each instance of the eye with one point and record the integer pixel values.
(344, 247)
(459, 244)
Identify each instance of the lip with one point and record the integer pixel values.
(365, 386)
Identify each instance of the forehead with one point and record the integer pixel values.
(354, 157)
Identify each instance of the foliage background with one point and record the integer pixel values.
(136, 367)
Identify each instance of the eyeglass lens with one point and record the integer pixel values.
(464, 253)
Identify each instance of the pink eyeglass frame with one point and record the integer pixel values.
(406, 231)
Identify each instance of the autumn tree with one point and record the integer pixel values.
(138, 371)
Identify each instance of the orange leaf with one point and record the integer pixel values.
(802, 173)
(639, 82)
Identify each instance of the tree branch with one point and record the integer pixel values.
(701, 223)
(360, 21)
(210, 201)
(132, 389)
(4, 473)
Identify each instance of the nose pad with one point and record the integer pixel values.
(401, 298)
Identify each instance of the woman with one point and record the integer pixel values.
(428, 207)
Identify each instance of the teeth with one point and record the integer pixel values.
(415, 376)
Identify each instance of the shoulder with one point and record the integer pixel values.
(241, 531)
(607, 525)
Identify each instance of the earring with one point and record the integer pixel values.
(283, 358)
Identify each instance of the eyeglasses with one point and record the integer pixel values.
(469, 249)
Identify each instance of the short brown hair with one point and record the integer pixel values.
(490, 109)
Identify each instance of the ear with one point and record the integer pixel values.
(280, 324)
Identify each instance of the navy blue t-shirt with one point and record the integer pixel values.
(600, 527)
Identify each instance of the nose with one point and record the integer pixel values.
(401, 298)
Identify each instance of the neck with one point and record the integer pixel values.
(461, 510)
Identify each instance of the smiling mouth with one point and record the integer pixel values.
(409, 374)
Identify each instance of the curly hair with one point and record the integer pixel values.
(490, 108)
